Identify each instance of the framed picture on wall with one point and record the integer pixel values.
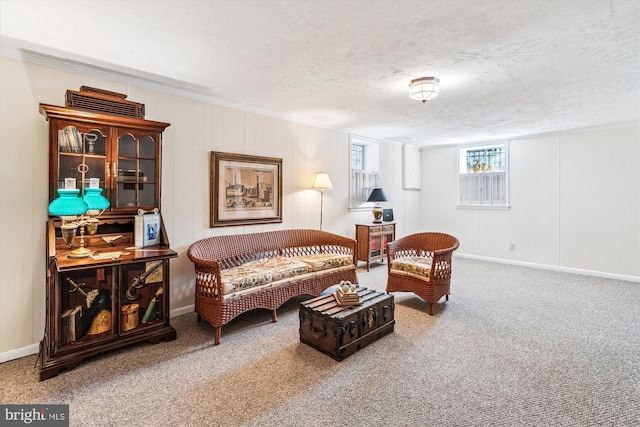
(245, 189)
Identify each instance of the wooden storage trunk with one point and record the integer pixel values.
(341, 331)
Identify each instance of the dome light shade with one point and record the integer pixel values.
(95, 200)
(424, 88)
(68, 203)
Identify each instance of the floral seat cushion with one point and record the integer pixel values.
(245, 276)
(261, 272)
(323, 261)
(283, 267)
(418, 266)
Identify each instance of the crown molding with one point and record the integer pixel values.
(72, 63)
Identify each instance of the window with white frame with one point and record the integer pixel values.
(365, 170)
(482, 176)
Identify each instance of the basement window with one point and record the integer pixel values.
(365, 171)
(483, 176)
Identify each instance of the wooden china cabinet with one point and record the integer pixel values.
(119, 295)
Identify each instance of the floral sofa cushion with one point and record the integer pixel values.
(245, 276)
(261, 272)
(283, 267)
(418, 266)
(323, 261)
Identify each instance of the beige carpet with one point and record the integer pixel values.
(512, 347)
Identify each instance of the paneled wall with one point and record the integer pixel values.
(575, 203)
(197, 128)
(574, 197)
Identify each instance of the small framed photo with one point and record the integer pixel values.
(147, 230)
(245, 189)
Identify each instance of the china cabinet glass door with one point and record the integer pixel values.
(78, 146)
(136, 171)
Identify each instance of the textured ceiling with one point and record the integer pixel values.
(507, 68)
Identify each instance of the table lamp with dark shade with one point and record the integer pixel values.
(377, 195)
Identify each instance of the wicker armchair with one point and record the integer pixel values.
(421, 263)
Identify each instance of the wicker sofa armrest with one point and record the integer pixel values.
(208, 281)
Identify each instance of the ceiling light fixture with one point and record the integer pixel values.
(424, 88)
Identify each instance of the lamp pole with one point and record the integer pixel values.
(321, 203)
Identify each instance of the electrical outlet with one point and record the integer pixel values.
(512, 246)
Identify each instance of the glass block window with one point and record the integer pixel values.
(482, 176)
(486, 159)
(357, 157)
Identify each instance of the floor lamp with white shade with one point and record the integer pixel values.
(321, 182)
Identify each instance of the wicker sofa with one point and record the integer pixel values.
(238, 273)
(421, 263)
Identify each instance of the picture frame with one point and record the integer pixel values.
(245, 189)
(147, 230)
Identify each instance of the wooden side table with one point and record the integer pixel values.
(373, 239)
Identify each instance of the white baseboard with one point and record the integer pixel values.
(19, 352)
(552, 267)
(34, 348)
(182, 310)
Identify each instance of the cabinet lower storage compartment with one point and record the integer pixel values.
(113, 299)
(341, 331)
